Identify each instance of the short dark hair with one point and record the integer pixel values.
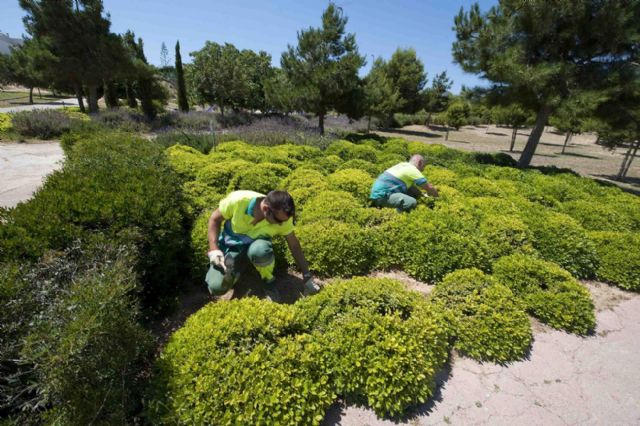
(282, 201)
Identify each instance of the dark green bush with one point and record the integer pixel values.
(121, 186)
(41, 123)
(336, 249)
(549, 292)
(488, 321)
(241, 362)
(618, 258)
(202, 142)
(560, 239)
(122, 119)
(383, 345)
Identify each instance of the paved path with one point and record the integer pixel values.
(568, 380)
(49, 105)
(23, 168)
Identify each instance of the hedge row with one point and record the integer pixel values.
(99, 250)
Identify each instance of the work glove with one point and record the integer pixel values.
(310, 286)
(216, 258)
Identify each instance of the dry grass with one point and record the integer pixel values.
(582, 154)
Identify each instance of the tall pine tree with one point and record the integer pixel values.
(183, 103)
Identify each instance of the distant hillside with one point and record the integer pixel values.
(6, 42)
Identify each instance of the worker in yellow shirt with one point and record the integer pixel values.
(248, 220)
(397, 186)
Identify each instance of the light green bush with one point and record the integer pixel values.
(618, 258)
(440, 176)
(304, 177)
(200, 197)
(372, 169)
(595, 215)
(489, 322)
(505, 235)
(478, 187)
(336, 205)
(219, 175)
(261, 177)
(5, 122)
(356, 182)
(560, 239)
(549, 292)
(350, 151)
(396, 146)
(336, 249)
(241, 362)
(185, 160)
(383, 344)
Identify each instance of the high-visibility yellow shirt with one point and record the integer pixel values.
(238, 229)
(398, 178)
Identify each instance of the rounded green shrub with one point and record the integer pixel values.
(304, 177)
(372, 169)
(349, 151)
(383, 344)
(335, 205)
(478, 187)
(200, 245)
(261, 177)
(241, 362)
(560, 239)
(5, 122)
(618, 258)
(337, 249)
(356, 182)
(185, 160)
(503, 173)
(597, 216)
(200, 197)
(549, 292)
(440, 176)
(428, 244)
(505, 235)
(219, 175)
(396, 146)
(489, 322)
(326, 164)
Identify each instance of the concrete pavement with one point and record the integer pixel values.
(61, 103)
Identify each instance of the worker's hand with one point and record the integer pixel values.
(425, 195)
(310, 286)
(216, 258)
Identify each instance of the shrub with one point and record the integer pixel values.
(336, 249)
(304, 177)
(121, 119)
(383, 345)
(261, 177)
(597, 216)
(240, 362)
(505, 235)
(201, 142)
(440, 175)
(618, 258)
(186, 161)
(549, 292)
(42, 124)
(218, 175)
(119, 185)
(349, 151)
(429, 244)
(88, 354)
(396, 146)
(366, 166)
(560, 239)
(199, 197)
(5, 122)
(336, 205)
(356, 182)
(437, 154)
(327, 164)
(478, 187)
(489, 323)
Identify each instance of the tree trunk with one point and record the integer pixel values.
(446, 136)
(513, 138)
(30, 95)
(628, 159)
(566, 141)
(428, 123)
(78, 91)
(369, 125)
(39, 94)
(221, 109)
(534, 137)
(131, 96)
(321, 123)
(93, 99)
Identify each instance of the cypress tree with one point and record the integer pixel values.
(183, 104)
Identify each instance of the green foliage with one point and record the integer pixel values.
(357, 182)
(560, 239)
(549, 292)
(489, 322)
(183, 102)
(119, 185)
(262, 177)
(383, 344)
(478, 187)
(201, 142)
(505, 235)
(350, 151)
(406, 72)
(218, 175)
(222, 368)
(371, 168)
(5, 122)
(618, 258)
(41, 124)
(597, 216)
(457, 114)
(186, 161)
(337, 249)
(335, 205)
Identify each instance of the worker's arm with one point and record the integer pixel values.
(296, 251)
(215, 222)
(430, 189)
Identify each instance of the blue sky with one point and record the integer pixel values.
(380, 26)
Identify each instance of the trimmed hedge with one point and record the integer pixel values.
(549, 292)
(489, 322)
(357, 182)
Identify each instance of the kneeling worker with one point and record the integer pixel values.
(250, 220)
(397, 186)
